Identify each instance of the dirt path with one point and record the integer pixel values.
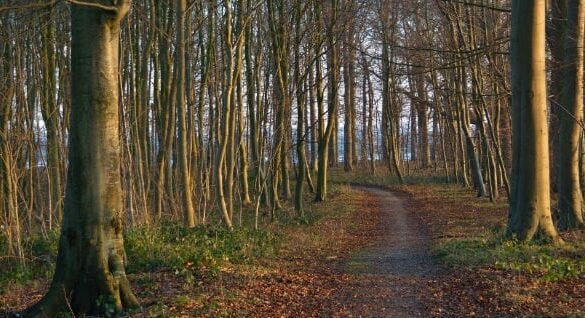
(391, 277)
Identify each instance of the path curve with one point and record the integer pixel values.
(391, 278)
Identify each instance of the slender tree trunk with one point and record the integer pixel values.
(349, 98)
(184, 168)
(223, 178)
(324, 150)
(50, 113)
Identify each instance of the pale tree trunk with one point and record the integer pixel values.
(330, 130)
(529, 212)
(224, 197)
(349, 98)
(184, 169)
(91, 261)
(244, 163)
(368, 92)
(571, 116)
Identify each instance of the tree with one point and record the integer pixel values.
(571, 115)
(529, 212)
(188, 210)
(90, 275)
(349, 97)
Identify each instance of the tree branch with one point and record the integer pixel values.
(113, 9)
(481, 5)
(29, 6)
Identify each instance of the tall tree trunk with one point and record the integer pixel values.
(325, 140)
(91, 260)
(349, 98)
(184, 169)
(556, 34)
(225, 176)
(423, 123)
(571, 116)
(529, 212)
(50, 113)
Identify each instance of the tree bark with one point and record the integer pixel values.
(184, 169)
(90, 273)
(349, 101)
(571, 116)
(529, 212)
(324, 142)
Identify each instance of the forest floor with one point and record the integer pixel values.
(389, 279)
(485, 275)
(421, 250)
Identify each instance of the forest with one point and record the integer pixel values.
(292, 158)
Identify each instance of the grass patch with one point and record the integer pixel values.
(545, 261)
(168, 246)
(172, 246)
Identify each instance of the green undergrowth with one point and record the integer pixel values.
(167, 246)
(483, 248)
(39, 261)
(172, 246)
(546, 261)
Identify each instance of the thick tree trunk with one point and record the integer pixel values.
(529, 212)
(571, 115)
(91, 260)
(556, 31)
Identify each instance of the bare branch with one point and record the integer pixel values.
(94, 5)
(29, 6)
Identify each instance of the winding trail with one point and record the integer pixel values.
(391, 277)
